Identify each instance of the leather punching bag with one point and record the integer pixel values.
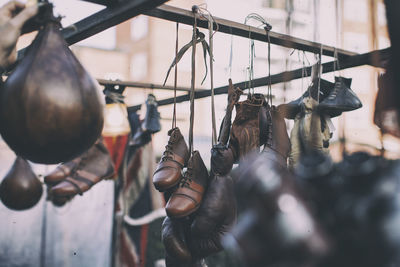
(51, 109)
(20, 188)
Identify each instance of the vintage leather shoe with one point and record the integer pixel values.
(151, 121)
(341, 99)
(94, 166)
(188, 196)
(62, 171)
(175, 157)
(279, 141)
(245, 132)
(291, 109)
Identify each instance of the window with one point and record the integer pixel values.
(274, 4)
(138, 68)
(139, 27)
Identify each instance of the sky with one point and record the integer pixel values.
(75, 10)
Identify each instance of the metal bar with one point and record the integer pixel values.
(107, 18)
(104, 19)
(230, 27)
(350, 62)
(101, 2)
(144, 85)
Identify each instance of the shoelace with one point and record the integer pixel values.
(167, 155)
(186, 179)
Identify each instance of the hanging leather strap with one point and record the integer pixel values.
(210, 36)
(200, 38)
(176, 76)
(193, 81)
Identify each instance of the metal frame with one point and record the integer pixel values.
(350, 62)
(120, 10)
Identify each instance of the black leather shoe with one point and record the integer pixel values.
(151, 121)
(291, 109)
(341, 99)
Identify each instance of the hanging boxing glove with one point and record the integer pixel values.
(214, 219)
(51, 110)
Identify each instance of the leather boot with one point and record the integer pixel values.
(188, 196)
(245, 133)
(61, 172)
(278, 148)
(169, 169)
(291, 109)
(152, 119)
(341, 99)
(95, 165)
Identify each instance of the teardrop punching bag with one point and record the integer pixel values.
(20, 188)
(51, 110)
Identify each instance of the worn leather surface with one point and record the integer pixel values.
(340, 99)
(291, 109)
(151, 121)
(95, 165)
(245, 132)
(279, 137)
(201, 235)
(188, 196)
(175, 157)
(20, 188)
(62, 171)
(51, 109)
(221, 160)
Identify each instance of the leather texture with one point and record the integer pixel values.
(188, 196)
(151, 121)
(200, 235)
(62, 171)
(341, 98)
(20, 188)
(291, 109)
(95, 165)
(169, 170)
(245, 132)
(51, 109)
(221, 160)
(279, 137)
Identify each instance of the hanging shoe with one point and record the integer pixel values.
(94, 166)
(341, 99)
(291, 109)
(62, 171)
(175, 157)
(151, 121)
(278, 147)
(188, 196)
(245, 132)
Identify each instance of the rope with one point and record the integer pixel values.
(267, 28)
(192, 90)
(214, 127)
(176, 76)
(319, 72)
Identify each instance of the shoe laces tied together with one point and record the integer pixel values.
(167, 154)
(187, 178)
